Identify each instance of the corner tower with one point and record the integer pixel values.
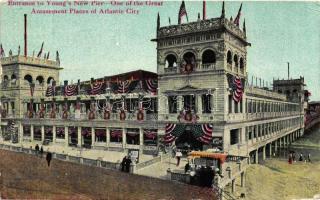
(194, 61)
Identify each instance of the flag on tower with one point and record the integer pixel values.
(182, 12)
(2, 53)
(40, 52)
(237, 19)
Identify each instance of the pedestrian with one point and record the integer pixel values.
(123, 163)
(294, 157)
(37, 149)
(290, 158)
(128, 163)
(41, 151)
(178, 156)
(301, 157)
(48, 158)
(187, 167)
(309, 157)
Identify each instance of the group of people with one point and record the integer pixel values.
(39, 151)
(125, 164)
(292, 157)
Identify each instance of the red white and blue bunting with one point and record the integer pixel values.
(121, 87)
(237, 85)
(202, 132)
(50, 91)
(207, 130)
(150, 134)
(150, 85)
(70, 90)
(116, 133)
(97, 88)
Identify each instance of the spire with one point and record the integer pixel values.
(237, 19)
(40, 52)
(158, 21)
(223, 11)
(199, 17)
(169, 21)
(244, 27)
(2, 53)
(231, 19)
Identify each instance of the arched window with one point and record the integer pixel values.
(5, 78)
(288, 92)
(241, 63)
(235, 60)
(280, 91)
(208, 57)
(49, 81)
(171, 61)
(189, 58)
(13, 78)
(28, 78)
(229, 58)
(39, 80)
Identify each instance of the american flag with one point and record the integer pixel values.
(237, 89)
(237, 19)
(182, 12)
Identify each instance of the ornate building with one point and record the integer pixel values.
(199, 99)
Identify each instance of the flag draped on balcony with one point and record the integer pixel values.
(182, 12)
(97, 88)
(127, 86)
(116, 133)
(202, 132)
(70, 90)
(237, 19)
(237, 86)
(86, 132)
(150, 85)
(150, 134)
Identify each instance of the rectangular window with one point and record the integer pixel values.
(189, 102)
(172, 101)
(234, 136)
(206, 103)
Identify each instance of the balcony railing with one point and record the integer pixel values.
(170, 70)
(208, 66)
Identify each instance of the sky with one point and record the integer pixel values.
(99, 45)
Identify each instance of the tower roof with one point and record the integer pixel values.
(207, 25)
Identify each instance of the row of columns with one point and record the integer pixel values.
(258, 106)
(79, 135)
(269, 149)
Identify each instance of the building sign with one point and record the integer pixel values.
(134, 155)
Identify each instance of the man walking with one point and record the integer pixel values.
(48, 158)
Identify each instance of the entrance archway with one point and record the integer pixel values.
(188, 141)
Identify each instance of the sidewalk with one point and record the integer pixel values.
(110, 156)
(159, 170)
